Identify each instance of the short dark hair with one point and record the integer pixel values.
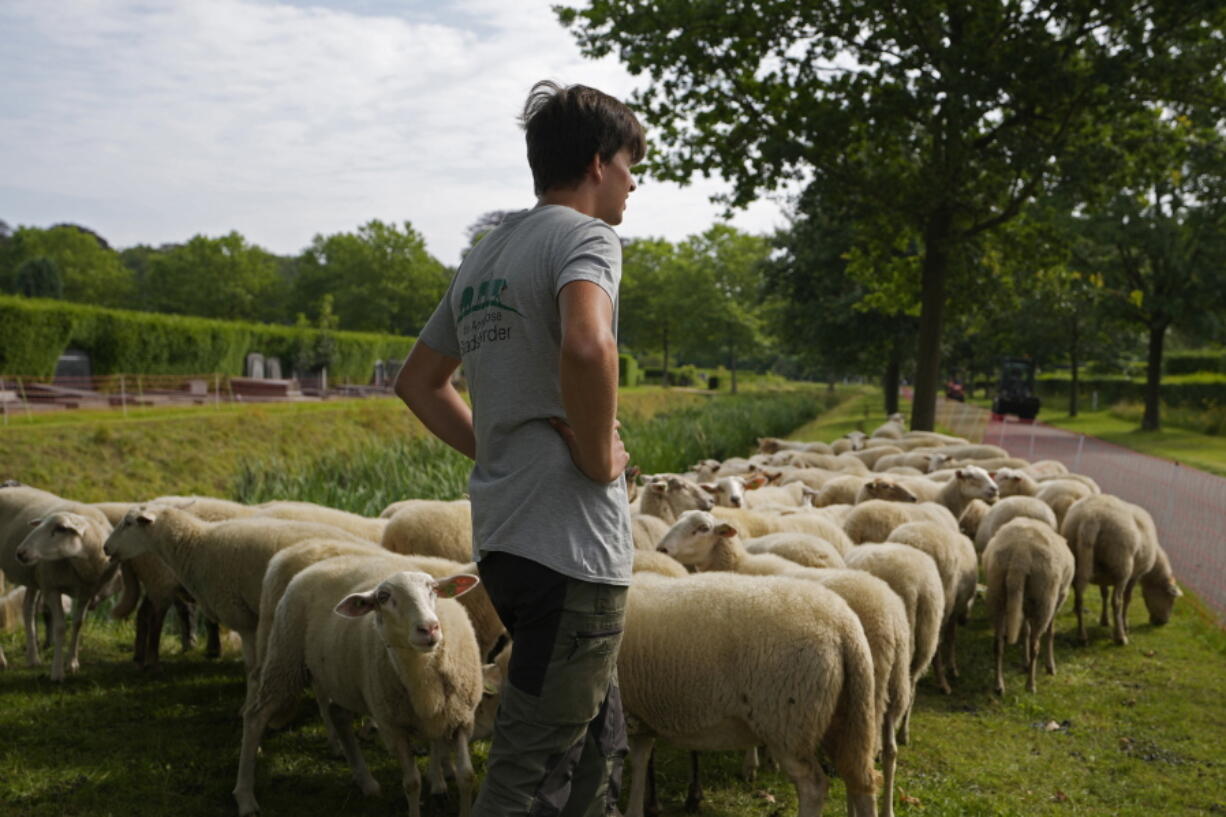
(567, 126)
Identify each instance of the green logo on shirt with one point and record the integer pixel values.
(487, 297)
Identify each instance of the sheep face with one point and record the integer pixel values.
(935, 461)
(729, 492)
(974, 483)
(691, 540)
(768, 445)
(1160, 594)
(889, 490)
(1010, 481)
(404, 607)
(58, 536)
(684, 495)
(133, 535)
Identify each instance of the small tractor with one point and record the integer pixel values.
(1015, 391)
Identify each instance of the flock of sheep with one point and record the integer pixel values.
(826, 579)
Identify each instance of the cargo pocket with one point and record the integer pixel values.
(581, 668)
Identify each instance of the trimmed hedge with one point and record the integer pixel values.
(1196, 361)
(1202, 391)
(628, 372)
(35, 332)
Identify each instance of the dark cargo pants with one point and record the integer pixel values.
(559, 736)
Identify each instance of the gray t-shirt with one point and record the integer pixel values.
(500, 317)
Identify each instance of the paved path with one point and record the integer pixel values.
(1188, 505)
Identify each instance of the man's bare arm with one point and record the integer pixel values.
(424, 384)
(588, 378)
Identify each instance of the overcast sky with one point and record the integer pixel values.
(153, 120)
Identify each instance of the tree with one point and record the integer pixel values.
(39, 278)
(89, 270)
(1160, 243)
(381, 278)
(484, 223)
(223, 277)
(949, 116)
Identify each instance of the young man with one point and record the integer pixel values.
(532, 315)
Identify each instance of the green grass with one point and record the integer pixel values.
(1145, 724)
(856, 408)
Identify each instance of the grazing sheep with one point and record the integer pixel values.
(358, 525)
(1029, 569)
(378, 642)
(772, 445)
(647, 530)
(958, 565)
(760, 523)
(432, 528)
(934, 438)
(1060, 494)
(890, 430)
(972, 516)
(970, 451)
(871, 456)
(793, 494)
(840, 491)
(1111, 550)
(1158, 584)
(925, 461)
(65, 551)
(886, 489)
(971, 482)
(815, 478)
(669, 497)
(1046, 468)
(1082, 478)
(661, 563)
(221, 564)
(1015, 482)
(913, 575)
(208, 508)
(1011, 508)
(987, 463)
(703, 542)
(802, 548)
(829, 462)
(873, 520)
(730, 690)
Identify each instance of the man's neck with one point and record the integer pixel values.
(580, 198)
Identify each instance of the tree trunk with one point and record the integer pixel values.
(664, 372)
(1073, 381)
(733, 367)
(932, 300)
(890, 381)
(1152, 420)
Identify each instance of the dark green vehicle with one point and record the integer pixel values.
(1015, 391)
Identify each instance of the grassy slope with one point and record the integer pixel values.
(1144, 732)
(1198, 450)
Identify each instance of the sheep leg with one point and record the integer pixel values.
(465, 777)
(889, 761)
(1102, 617)
(953, 647)
(141, 645)
(811, 784)
(1128, 588)
(57, 629)
(1026, 642)
(47, 619)
(938, 668)
(157, 620)
(1033, 637)
(749, 765)
(1079, 609)
(640, 770)
(255, 721)
(28, 616)
(999, 659)
(1117, 613)
(904, 728)
(340, 723)
(408, 762)
(80, 607)
(440, 750)
(1051, 647)
(695, 796)
(212, 647)
(4, 662)
(334, 742)
(187, 635)
(652, 807)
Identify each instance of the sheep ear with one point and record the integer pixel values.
(356, 605)
(725, 530)
(1174, 590)
(709, 487)
(491, 679)
(755, 482)
(658, 487)
(34, 523)
(674, 483)
(454, 586)
(632, 473)
(960, 474)
(146, 518)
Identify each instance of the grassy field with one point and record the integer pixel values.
(1202, 451)
(1133, 730)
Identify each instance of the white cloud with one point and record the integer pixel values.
(152, 121)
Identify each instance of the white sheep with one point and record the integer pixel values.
(700, 540)
(871, 456)
(208, 508)
(1060, 494)
(804, 549)
(987, 463)
(1046, 468)
(969, 482)
(772, 445)
(65, 551)
(975, 451)
(1015, 482)
(1012, 507)
(958, 565)
(358, 525)
(972, 516)
(913, 575)
(925, 460)
(830, 462)
(647, 531)
(742, 685)
(760, 523)
(890, 490)
(1089, 482)
(221, 564)
(815, 478)
(668, 497)
(1029, 569)
(873, 520)
(661, 563)
(1115, 546)
(432, 528)
(389, 644)
(840, 491)
(890, 430)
